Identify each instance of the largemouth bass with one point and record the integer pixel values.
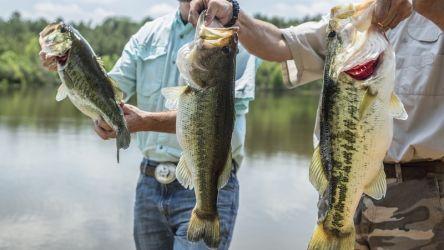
(356, 123)
(84, 80)
(205, 123)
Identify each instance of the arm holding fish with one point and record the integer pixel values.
(138, 120)
(431, 9)
(267, 41)
(124, 72)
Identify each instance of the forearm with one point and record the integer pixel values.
(263, 39)
(164, 122)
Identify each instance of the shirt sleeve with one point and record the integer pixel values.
(124, 71)
(246, 67)
(307, 43)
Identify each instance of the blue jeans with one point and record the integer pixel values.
(162, 212)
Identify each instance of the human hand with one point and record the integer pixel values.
(48, 62)
(389, 13)
(431, 9)
(134, 118)
(103, 130)
(220, 9)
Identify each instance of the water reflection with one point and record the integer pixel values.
(60, 187)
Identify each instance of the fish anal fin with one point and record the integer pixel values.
(378, 187)
(226, 172)
(172, 95)
(367, 100)
(183, 173)
(317, 175)
(397, 108)
(62, 92)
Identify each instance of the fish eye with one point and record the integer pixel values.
(332, 34)
(226, 50)
(63, 29)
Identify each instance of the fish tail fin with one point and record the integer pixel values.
(321, 240)
(204, 226)
(123, 139)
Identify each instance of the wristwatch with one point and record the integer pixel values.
(236, 10)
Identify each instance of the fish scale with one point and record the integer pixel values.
(84, 80)
(356, 123)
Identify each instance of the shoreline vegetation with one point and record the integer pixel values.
(20, 64)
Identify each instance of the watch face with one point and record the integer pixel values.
(165, 173)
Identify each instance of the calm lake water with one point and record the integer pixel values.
(61, 188)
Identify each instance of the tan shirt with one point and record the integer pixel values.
(419, 46)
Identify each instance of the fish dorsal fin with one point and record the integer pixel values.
(62, 92)
(367, 101)
(183, 173)
(171, 95)
(226, 172)
(378, 187)
(317, 176)
(397, 108)
(101, 63)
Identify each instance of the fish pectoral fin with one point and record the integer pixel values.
(397, 108)
(183, 174)
(367, 100)
(226, 172)
(172, 95)
(378, 187)
(62, 92)
(317, 176)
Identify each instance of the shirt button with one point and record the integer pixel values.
(181, 36)
(174, 62)
(160, 147)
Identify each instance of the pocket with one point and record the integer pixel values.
(420, 75)
(150, 70)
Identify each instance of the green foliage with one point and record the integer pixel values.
(19, 48)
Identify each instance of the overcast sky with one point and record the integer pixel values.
(97, 10)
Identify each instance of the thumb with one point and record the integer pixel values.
(127, 109)
(195, 8)
(209, 16)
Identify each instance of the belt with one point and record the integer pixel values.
(413, 170)
(163, 172)
(148, 167)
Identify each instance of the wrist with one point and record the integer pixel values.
(235, 9)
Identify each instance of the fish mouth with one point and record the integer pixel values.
(365, 70)
(56, 42)
(63, 59)
(214, 35)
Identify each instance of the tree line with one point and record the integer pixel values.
(20, 65)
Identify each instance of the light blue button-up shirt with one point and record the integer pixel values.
(148, 64)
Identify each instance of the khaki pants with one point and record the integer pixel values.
(411, 216)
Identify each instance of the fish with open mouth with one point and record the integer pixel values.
(84, 79)
(356, 123)
(205, 122)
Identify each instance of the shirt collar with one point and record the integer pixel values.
(183, 28)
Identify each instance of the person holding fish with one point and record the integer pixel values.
(364, 90)
(218, 72)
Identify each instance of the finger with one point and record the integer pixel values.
(104, 126)
(196, 6)
(211, 13)
(42, 56)
(381, 11)
(127, 109)
(399, 18)
(52, 67)
(100, 132)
